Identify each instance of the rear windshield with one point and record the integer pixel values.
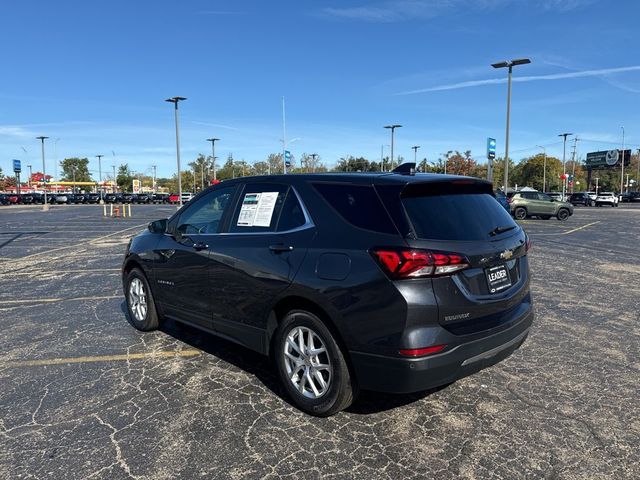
(470, 216)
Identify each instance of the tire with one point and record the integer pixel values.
(520, 213)
(545, 217)
(298, 372)
(140, 304)
(563, 214)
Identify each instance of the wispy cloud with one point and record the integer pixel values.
(402, 10)
(530, 78)
(214, 125)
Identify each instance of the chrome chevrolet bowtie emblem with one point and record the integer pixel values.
(507, 254)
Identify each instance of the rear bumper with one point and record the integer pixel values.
(406, 375)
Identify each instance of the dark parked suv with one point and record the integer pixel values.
(392, 282)
(581, 198)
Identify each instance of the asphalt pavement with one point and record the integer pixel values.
(84, 395)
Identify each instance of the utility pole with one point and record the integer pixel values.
(573, 162)
(45, 207)
(638, 171)
(415, 153)
(115, 184)
(100, 176)
(564, 164)
(30, 175)
(154, 178)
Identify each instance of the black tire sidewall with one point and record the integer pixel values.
(520, 209)
(563, 214)
(340, 378)
(151, 320)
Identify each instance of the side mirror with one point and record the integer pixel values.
(159, 226)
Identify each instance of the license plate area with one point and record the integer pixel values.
(498, 278)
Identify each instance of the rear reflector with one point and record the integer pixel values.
(401, 263)
(422, 352)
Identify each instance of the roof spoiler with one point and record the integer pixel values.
(405, 169)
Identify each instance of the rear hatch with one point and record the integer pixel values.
(460, 217)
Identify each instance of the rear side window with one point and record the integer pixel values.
(259, 208)
(456, 216)
(357, 204)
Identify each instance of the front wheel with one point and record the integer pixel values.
(563, 214)
(311, 365)
(520, 213)
(140, 303)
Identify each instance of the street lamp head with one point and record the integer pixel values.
(212, 139)
(42, 138)
(175, 99)
(512, 63)
(565, 135)
(416, 147)
(392, 126)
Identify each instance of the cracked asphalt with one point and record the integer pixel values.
(84, 395)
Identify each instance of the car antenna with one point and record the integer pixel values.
(405, 169)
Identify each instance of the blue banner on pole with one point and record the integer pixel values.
(287, 158)
(491, 148)
(17, 168)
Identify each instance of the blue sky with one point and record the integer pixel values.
(94, 75)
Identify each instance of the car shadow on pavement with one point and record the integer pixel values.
(259, 366)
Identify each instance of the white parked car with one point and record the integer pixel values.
(607, 198)
(186, 196)
(592, 196)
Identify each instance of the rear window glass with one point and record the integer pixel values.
(357, 204)
(456, 217)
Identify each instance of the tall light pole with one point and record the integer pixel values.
(284, 140)
(392, 128)
(99, 157)
(45, 207)
(213, 155)
(114, 178)
(30, 175)
(175, 101)
(564, 165)
(154, 167)
(544, 169)
(415, 153)
(313, 163)
(510, 65)
(622, 163)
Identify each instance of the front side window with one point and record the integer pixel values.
(205, 215)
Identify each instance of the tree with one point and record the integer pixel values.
(124, 178)
(78, 165)
(353, 164)
(530, 173)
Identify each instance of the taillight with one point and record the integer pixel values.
(401, 263)
(421, 352)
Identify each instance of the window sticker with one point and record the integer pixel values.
(257, 209)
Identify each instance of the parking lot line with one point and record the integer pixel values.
(35, 301)
(99, 358)
(580, 228)
(101, 271)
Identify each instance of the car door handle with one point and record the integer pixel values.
(200, 246)
(280, 248)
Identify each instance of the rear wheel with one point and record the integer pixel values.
(311, 365)
(563, 214)
(520, 213)
(140, 303)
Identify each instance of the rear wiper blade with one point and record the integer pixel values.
(498, 230)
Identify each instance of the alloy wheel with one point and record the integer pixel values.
(138, 299)
(307, 362)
